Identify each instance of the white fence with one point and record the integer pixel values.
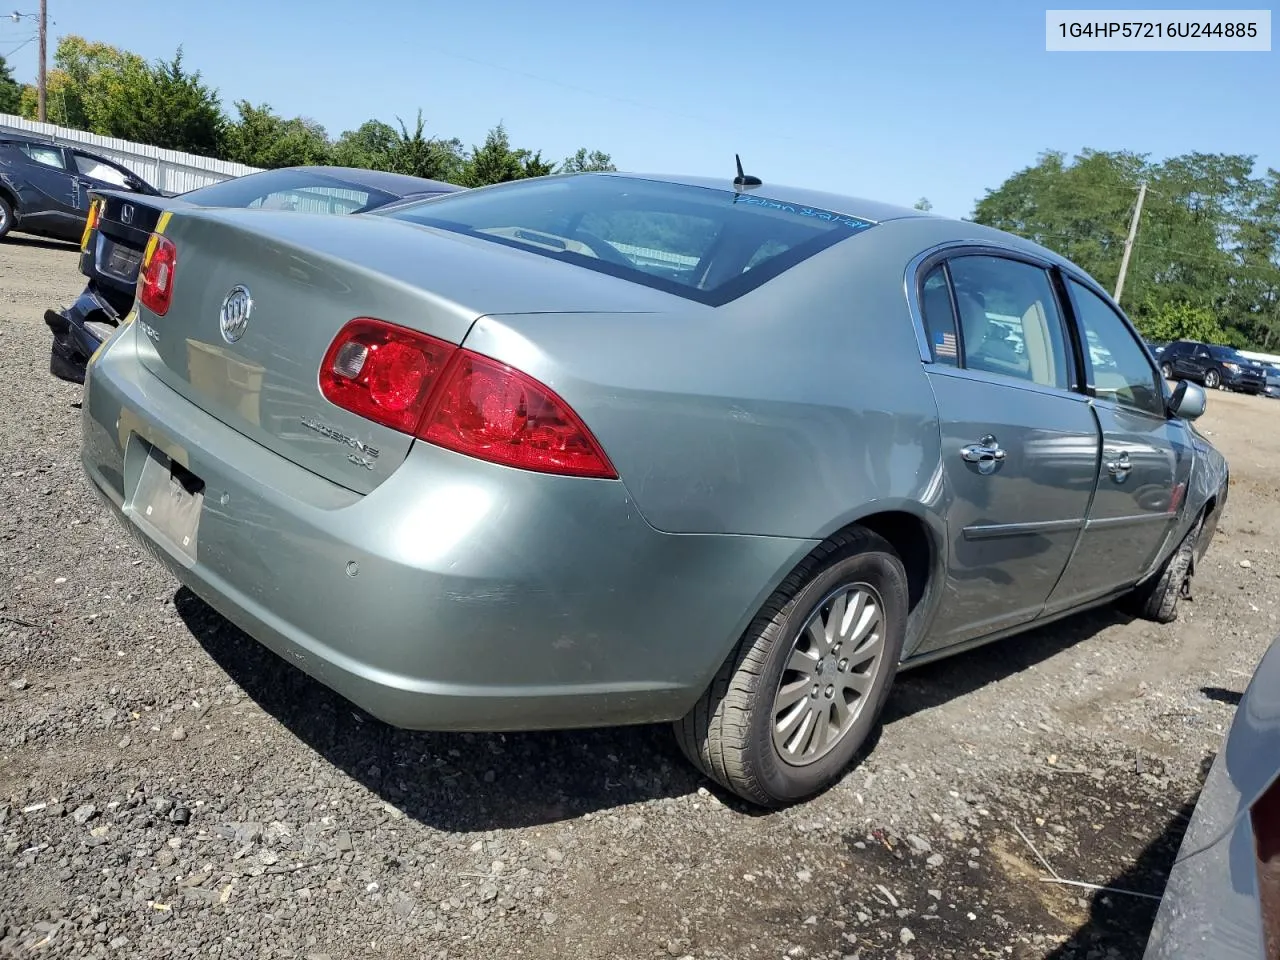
(168, 170)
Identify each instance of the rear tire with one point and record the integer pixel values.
(6, 217)
(809, 640)
(1157, 599)
(1166, 371)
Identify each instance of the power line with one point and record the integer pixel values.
(18, 46)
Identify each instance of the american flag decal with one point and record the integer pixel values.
(944, 345)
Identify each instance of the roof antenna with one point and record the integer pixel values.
(742, 180)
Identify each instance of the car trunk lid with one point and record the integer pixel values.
(307, 277)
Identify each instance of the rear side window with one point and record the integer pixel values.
(701, 243)
(93, 167)
(48, 156)
(939, 316)
(1009, 319)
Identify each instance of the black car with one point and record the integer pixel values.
(119, 225)
(1213, 365)
(45, 186)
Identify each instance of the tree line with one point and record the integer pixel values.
(103, 89)
(1205, 263)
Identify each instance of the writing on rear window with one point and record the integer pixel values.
(830, 216)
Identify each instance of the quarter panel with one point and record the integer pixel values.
(779, 414)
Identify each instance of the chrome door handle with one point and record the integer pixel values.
(986, 453)
(1119, 466)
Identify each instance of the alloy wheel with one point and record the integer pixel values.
(833, 666)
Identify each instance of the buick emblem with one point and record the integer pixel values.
(233, 319)
(126, 213)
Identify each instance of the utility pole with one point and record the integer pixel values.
(1128, 244)
(42, 82)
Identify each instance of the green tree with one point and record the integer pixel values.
(1206, 240)
(1179, 321)
(10, 90)
(163, 105)
(587, 162)
(370, 146)
(262, 138)
(923, 204)
(532, 164)
(494, 161)
(77, 86)
(418, 155)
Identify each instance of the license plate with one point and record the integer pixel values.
(122, 261)
(166, 503)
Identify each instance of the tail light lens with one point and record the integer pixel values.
(494, 412)
(1265, 818)
(457, 399)
(155, 277)
(383, 372)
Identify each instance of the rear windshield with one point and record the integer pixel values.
(704, 244)
(300, 190)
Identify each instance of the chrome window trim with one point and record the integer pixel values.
(1002, 380)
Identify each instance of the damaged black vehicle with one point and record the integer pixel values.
(45, 186)
(119, 224)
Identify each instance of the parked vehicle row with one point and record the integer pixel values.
(1213, 365)
(118, 225)
(605, 449)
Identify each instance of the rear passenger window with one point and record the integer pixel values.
(939, 316)
(1009, 320)
(45, 155)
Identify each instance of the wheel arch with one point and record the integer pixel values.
(918, 535)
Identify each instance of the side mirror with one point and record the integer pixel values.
(1187, 401)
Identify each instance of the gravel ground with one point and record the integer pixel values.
(169, 789)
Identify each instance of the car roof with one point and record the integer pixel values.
(847, 204)
(400, 184)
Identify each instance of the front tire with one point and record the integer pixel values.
(1212, 379)
(6, 217)
(805, 685)
(1157, 599)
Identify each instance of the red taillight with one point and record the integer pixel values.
(155, 278)
(383, 372)
(457, 399)
(491, 411)
(1265, 818)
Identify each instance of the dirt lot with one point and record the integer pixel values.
(169, 789)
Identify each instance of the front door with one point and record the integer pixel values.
(1146, 459)
(1019, 449)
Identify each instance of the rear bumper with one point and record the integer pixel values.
(458, 595)
(74, 341)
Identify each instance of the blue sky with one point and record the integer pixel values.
(886, 100)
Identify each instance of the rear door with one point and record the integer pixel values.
(1146, 457)
(55, 205)
(1019, 449)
